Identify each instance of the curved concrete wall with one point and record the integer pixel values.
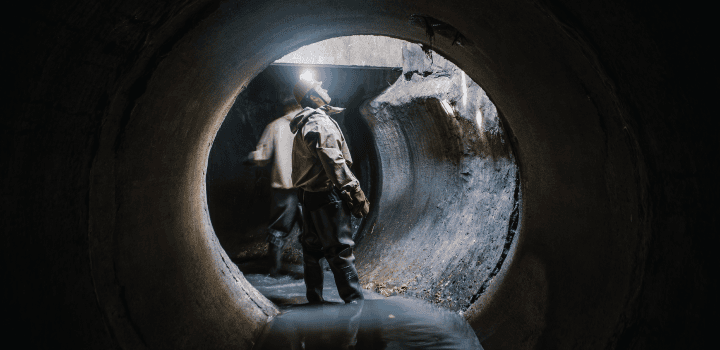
(447, 211)
(117, 104)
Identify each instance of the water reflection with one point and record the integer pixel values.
(392, 323)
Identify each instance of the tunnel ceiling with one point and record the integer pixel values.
(115, 107)
(354, 50)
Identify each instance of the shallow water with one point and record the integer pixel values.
(375, 323)
(290, 289)
(392, 323)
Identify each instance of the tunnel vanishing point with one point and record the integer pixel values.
(107, 239)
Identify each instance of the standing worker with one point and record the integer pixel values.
(276, 145)
(329, 193)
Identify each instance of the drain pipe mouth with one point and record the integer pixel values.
(161, 277)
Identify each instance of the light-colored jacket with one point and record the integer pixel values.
(321, 157)
(276, 145)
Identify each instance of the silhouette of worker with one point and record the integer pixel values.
(275, 146)
(329, 193)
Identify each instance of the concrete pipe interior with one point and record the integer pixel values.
(161, 277)
(427, 147)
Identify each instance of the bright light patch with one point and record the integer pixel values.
(446, 106)
(307, 75)
(479, 118)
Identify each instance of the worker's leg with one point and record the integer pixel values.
(284, 206)
(332, 224)
(312, 253)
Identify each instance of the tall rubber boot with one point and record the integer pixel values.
(346, 277)
(313, 275)
(332, 227)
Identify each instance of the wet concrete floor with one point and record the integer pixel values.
(375, 323)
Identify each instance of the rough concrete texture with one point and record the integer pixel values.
(355, 50)
(448, 203)
(114, 107)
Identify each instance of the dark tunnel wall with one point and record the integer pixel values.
(238, 196)
(114, 106)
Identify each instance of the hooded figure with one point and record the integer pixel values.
(329, 193)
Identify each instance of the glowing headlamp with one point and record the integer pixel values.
(307, 75)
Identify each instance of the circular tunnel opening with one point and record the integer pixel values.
(163, 279)
(428, 148)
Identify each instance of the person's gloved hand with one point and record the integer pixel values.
(359, 205)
